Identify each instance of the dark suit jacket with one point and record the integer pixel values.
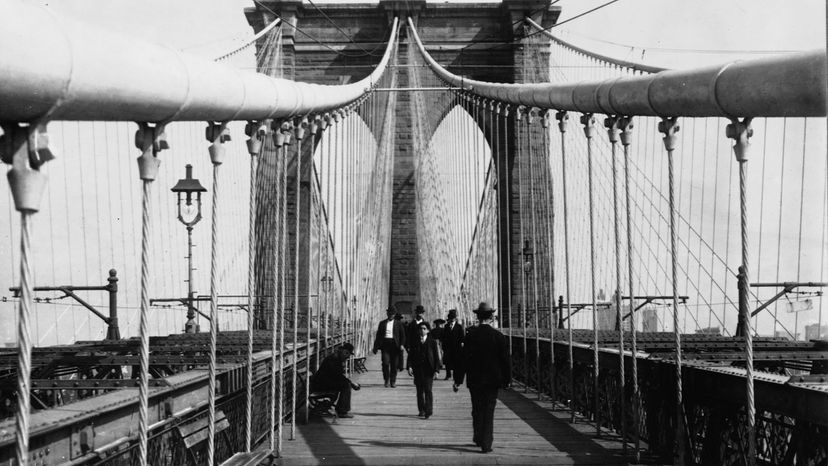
(453, 338)
(485, 359)
(331, 374)
(399, 334)
(424, 359)
(412, 332)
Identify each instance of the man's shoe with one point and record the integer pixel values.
(421, 414)
(386, 384)
(393, 385)
(427, 416)
(485, 449)
(345, 415)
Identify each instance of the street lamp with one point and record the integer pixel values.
(189, 213)
(527, 269)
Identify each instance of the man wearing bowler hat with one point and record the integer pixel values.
(331, 376)
(390, 339)
(452, 341)
(486, 367)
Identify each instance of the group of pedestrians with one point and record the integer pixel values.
(477, 356)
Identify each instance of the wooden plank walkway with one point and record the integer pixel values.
(386, 430)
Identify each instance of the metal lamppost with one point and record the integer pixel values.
(528, 258)
(527, 270)
(189, 213)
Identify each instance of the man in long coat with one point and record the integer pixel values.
(452, 340)
(486, 367)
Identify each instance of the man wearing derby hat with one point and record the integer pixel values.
(412, 333)
(452, 340)
(331, 377)
(486, 367)
(390, 339)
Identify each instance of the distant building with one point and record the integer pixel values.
(709, 331)
(649, 320)
(815, 332)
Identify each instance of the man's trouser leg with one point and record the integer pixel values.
(428, 399)
(420, 398)
(390, 348)
(386, 357)
(475, 399)
(344, 403)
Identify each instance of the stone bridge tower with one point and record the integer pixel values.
(447, 29)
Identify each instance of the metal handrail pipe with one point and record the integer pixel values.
(612, 61)
(57, 68)
(788, 86)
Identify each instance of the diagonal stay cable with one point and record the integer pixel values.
(299, 30)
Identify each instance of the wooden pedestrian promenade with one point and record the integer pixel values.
(386, 430)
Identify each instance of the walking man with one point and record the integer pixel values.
(453, 335)
(423, 364)
(486, 367)
(390, 339)
(413, 331)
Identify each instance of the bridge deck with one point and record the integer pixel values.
(386, 430)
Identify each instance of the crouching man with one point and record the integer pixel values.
(331, 378)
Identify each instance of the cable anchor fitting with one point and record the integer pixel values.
(740, 132)
(544, 118)
(625, 124)
(563, 119)
(150, 140)
(669, 127)
(287, 132)
(26, 149)
(612, 124)
(217, 134)
(255, 131)
(588, 120)
(300, 128)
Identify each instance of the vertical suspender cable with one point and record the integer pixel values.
(495, 152)
(562, 118)
(521, 212)
(549, 214)
(531, 171)
(27, 184)
(254, 147)
(588, 121)
(150, 140)
(279, 138)
(282, 268)
(611, 123)
(669, 127)
(741, 132)
(508, 195)
(300, 132)
(216, 135)
(24, 351)
(626, 126)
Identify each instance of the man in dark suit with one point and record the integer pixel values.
(390, 339)
(412, 332)
(453, 335)
(486, 366)
(331, 377)
(423, 363)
